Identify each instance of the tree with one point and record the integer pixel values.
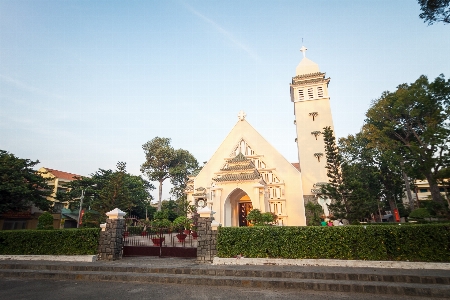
(378, 173)
(108, 189)
(313, 211)
(45, 221)
(185, 165)
(163, 162)
(356, 184)
(335, 189)
(170, 207)
(257, 218)
(361, 176)
(413, 122)
(20, 185)
(435, 11)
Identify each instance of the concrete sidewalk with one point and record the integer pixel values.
(269, 265)
(251, 261)
(333, 263)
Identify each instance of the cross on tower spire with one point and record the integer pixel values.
(303, 50)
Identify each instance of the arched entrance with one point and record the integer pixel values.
(237, 205)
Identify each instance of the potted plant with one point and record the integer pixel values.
(179, 224)
(194, 232)
(160, 224)
(146, 224)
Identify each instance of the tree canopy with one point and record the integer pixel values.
(108, 189)
(163, 162)
(21, 185)
(435, 11)
(413, 123)
(360, 177)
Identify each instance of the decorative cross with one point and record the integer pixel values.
(318, 155)
(316, 133)
(303, 50)
(242, 115)
(314, 114)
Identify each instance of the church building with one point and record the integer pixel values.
(246, 172)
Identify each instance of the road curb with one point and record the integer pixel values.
(332, 263)
(77, 258)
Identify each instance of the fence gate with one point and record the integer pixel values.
(160, 242)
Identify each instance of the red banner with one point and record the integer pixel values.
(396, 215)
(81, 217)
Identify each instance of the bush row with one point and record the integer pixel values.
(49, 242)
(410, 223)
(398, 243)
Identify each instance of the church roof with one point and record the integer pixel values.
(238, 176)
(241, 167)
(239, 162)
(238, 168)
(308, 79)
(238, 158)
(247, 166)
(306, 66)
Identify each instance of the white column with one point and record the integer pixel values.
(218, 204)
(256, 202)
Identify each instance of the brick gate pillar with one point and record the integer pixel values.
(111, 238)
(207, 236)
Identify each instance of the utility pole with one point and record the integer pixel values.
(407, 186)
(81, 207)
(83, 191)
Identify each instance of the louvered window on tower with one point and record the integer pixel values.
(310, 93)
(300, 95)
(320, 92)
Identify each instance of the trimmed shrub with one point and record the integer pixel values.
(420, 213)
(49, 242)
(413, 243)
(45, 221)
(257, 218)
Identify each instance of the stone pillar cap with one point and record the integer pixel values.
(214, 225)
(116, 214)
(205, 212)
(103, 226)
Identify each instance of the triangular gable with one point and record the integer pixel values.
(238, 168)
(244, 139)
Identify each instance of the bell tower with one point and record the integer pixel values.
(309, 93)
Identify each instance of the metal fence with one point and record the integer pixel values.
(162, 242)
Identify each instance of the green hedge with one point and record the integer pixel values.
(401, 243)
(49, 242)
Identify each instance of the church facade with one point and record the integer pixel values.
(246, 172)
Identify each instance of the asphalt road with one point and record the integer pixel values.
(17, 289)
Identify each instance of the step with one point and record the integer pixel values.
(353, 274)
(372, 287)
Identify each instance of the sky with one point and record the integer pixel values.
(84, 84)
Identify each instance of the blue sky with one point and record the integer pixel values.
(83, 84)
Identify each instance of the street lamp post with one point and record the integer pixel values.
(81, 207)
(83, 191)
